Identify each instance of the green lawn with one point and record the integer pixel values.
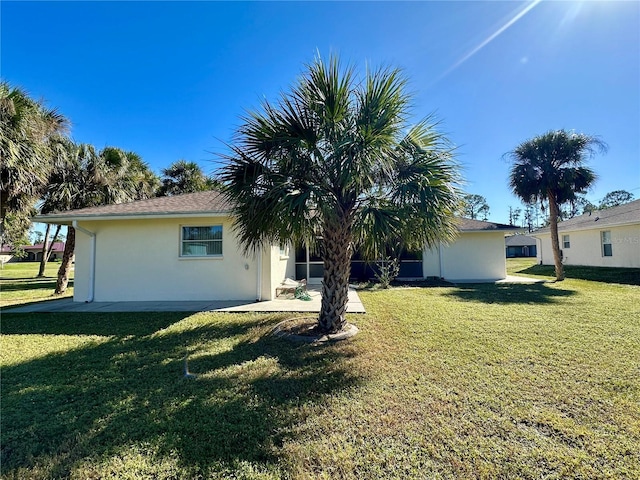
(19, 285)
(481, 381)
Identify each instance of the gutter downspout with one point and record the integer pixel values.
(259, 279)
(92, 260)
(441, 260)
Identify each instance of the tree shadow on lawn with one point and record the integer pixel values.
(19, 284)
(76, 323)
(516, 293)
(98, 401)
(622, 276)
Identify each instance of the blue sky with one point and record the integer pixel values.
(169, 80)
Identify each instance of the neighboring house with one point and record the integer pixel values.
(33, 253)
(520, 246)
(183, 248)
(6, 254)
(603, 238)
(477, 255)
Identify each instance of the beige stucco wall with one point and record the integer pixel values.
(586, 247)
(474, 256)
(276, 268)
(138, 260)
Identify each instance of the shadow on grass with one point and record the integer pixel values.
(16, 284)
(623, 276)
(104, 324)
(96, 402)
(516, 293)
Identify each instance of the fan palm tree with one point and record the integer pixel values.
(334, 164)
(83, 178)
(26, 130)
(551, 168)
(184, 177)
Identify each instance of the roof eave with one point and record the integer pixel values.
(59, 219)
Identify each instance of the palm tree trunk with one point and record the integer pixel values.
(554, 213)
(65, 266)
(337, 251)
(43, 260)
(47, 249)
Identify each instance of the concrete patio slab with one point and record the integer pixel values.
(277, 305)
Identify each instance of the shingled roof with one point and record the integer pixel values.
(192, 204)
(188, 204)
(470, 225)
(626, 214)
(519, 241)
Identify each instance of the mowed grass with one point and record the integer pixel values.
(479, 381)
(19, 284)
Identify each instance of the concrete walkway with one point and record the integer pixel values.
(277, 305)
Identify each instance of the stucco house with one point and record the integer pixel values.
(183, 248)
(603, 238)
(520, 246)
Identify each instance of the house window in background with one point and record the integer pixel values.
(607, 251)
(566, 243)
(205, 241)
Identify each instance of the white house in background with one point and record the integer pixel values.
(183, 248)
(603, 238)
(477, 255)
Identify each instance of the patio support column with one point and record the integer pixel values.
(259, 279)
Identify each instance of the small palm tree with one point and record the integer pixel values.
(334, 164)
(551, 168)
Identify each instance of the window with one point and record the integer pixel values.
(566, 243)
(607, 251)
(201, 241)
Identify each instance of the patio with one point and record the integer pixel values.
(280, 304)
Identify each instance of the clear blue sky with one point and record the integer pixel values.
(170, 80)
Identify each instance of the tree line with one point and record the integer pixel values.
(43, 171)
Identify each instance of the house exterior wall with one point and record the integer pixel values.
(139, 260)
(474, 256)
(586, 247)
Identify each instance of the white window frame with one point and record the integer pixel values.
(214, 255)
(603, 243)
(566, 241)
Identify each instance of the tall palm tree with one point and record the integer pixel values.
(83, 178)
(184, 177)
(334, 164)
(551, 168)
(27, 128)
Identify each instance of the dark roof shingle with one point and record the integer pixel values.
(209, 202)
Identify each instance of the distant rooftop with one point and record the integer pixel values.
(519, 241)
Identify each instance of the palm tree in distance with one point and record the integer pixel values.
(83, 178)
(184, 177)
(551, 168)
(335, 165)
